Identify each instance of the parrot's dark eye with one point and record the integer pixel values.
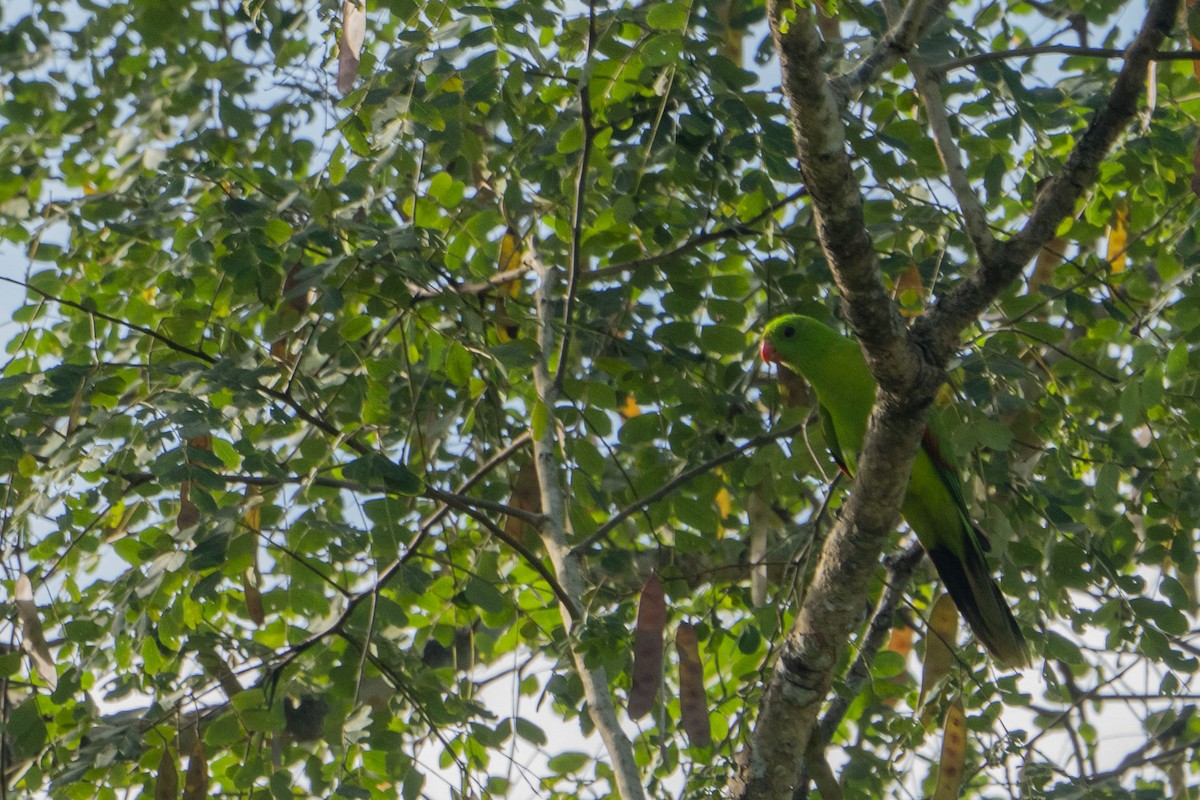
(789, 331)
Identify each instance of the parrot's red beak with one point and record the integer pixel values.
(769, 354)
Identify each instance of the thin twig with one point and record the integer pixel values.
(730, 231)
(477, 288)
(449, 499)
(1143, 761)
(153, 334)
(900, 569)
(575, 252)
(1082, 698)
(899, 40)
(472, 289)
(1060, 49)
(974, 215)
(567, 564)
(283, 397)
(680, 479)
(338, 625)
(496, 460)
(534, 561)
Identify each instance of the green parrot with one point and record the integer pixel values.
(935, 505)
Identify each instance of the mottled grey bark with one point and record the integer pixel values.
(908, 364)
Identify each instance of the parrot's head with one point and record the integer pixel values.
(785, 338)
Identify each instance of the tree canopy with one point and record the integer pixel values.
(367, 357)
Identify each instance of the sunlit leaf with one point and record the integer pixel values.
(1118, 235)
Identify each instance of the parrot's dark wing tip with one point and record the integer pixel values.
(978, 598)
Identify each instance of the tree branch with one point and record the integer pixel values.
(313, 418)
(496, 460)
(816, 117)
(567, 564)
(337, 627)
(679, 480)
(832, 607)
(940, 70)
(472, 289)
(892, 46)
(908, 371)
(575, 251)
(900, 569)
(448, 499)
(803, 674)
(199, 355)
(566, 600)
(940, 328)
(1142, 761)
(708, 237)
(477, 288)
(974, 215)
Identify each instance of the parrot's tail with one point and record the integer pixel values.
(970, 584)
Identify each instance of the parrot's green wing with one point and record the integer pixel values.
(948, 472)
(937, 509)
(831, 440)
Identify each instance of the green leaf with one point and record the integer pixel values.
(993, 435)
(571, 140)
(447, 191)
(225, 451)
(277, 230)
(565, 763)
(25, 730)
(888, 664)
(1130, 403)
(539, 420)
(723, 339)
(530, 732)
(750, 640)
(667, 16)
(662, 49)
(280, 784)
(484, 595)
(458, 364)
(1170, 620)
(414, 780)
(640, 429)
(356, 328)
(1177, 361)
(588, 456)
(356, 136)
(375, 469)
(1067, 565)
(151, 658)
(248, 700)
